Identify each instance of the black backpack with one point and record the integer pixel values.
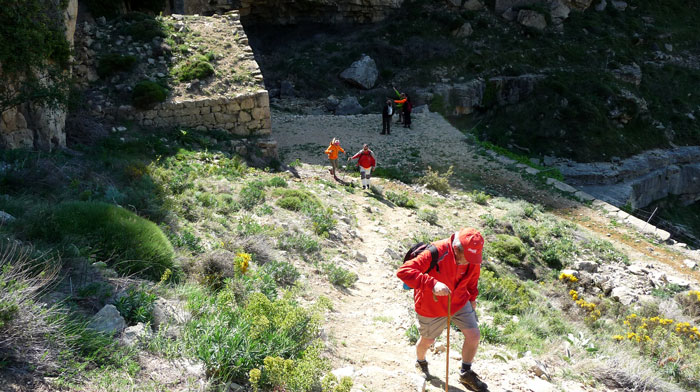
(418, 249)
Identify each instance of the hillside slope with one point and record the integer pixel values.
(273, 266)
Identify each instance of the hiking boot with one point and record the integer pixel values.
(423, 369)
(470, 380)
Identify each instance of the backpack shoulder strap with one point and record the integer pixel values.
(435, 258)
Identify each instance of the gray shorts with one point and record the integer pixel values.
(432, 327)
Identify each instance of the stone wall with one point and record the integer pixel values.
(243, 114)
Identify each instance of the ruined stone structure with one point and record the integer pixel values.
(31, 125)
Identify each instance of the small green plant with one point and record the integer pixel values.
(277, 182)
(490, 334)
(112, 63)
(146, 94)
(480, 197)
(251, 195)
(299, 242)
(285, 274)
(429, 216)
(400, 199)
(412, 334)
(510, 295)
(339, 275)
(195, 67)
(508, 249)
(144, 28)
(436, 181)
(136, 306)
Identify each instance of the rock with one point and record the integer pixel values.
(362, 73)
(687, 262)
(619, 5)
(359, 256)
(6, 218)
(419, 382)
(132, 334)
(169, 312)
(287, 89)
(439, 348)
(349, 105)
(108, 320)
(421, 109)
(348, 371)
(331, 103)
(392, 254)
(558, 11)
(540, 370)
(464, 31)
(510, 15)
(623, 294)
(579, 5)
(668, 47)
(473, 5)
(629, 73)
(600, 7)
(587, 266)
(532, 19)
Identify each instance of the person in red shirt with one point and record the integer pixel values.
(367, 163)
(457, 274)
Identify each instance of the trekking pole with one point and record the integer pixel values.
(447, 361)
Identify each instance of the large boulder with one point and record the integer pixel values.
(349, 105)
(532, 19)
(464, 31)
(362, 73)
(629, 73)
(108, 321)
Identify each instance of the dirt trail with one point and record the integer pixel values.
(369, 322)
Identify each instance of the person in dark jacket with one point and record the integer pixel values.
(387, 113)
(456, 276)
(407, 109)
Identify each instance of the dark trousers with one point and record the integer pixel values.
(386, 125)
(407, 119)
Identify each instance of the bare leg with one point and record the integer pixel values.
(471, 343)
(422, 347)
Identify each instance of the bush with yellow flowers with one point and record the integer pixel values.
(671, 343)
(591, 309)
(241, 263)
(568, 278)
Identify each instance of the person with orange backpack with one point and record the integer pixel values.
(332, 151)
(444, 276)
(367, 163)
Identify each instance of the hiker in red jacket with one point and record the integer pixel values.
(366, 162)
(457, 274)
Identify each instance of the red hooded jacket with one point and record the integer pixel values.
(366, 158)
(462, 280)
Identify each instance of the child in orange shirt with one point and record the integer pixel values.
(332, 151)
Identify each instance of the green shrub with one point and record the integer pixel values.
(509, 295)
(339, 275)
(299, 242)
(490, 334)
(233, 339)
(128, 242)
(436, 181)
(277, 182)
(429, 216)
(284, 274)
(251, 195)
(195, 67)
(606, 252)
(146, 94)
(136, 306)
(296, 199)
(401, 199)
(112, 63)
(291, 203)
(480, 197)
(145, 29)
(508, 249)
(322, 220)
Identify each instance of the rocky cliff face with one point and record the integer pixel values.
(641, 179)
(37, 125)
